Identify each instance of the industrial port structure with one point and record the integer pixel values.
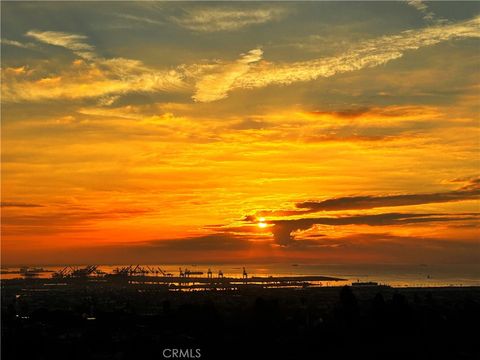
(154, 277)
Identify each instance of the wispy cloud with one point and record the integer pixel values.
(215, 85)
(214, 81)
(226, 19)
(76, 43)
(140, 19)
(69, 219)
(371, 202)
(368, 54)
(17, 44)
(106, 77)
(428, 15)
(19, 204)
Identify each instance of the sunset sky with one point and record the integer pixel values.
(240, 132)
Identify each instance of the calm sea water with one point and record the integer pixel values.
(394, 275)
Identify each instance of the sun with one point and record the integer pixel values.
(261, 223)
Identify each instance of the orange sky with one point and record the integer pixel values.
(165, 135)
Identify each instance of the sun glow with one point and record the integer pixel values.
(261, 224)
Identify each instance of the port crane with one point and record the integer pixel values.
(164, 273)
(76, 272)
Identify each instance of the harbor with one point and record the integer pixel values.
(155, 277)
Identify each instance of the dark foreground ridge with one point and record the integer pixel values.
(91, 321)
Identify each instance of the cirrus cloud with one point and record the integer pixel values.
(214, 81)
(226, 19)
(75, 42)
